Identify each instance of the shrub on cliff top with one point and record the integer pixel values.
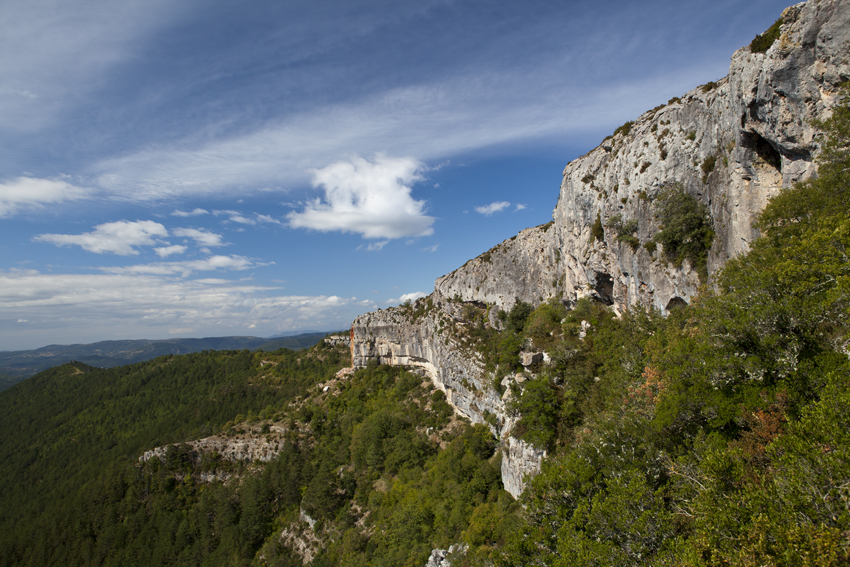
(762, 42)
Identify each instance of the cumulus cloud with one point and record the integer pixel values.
(201, 237)
(119, 237)
(520, 207)
(30, 192)
(166, 251)
(193, 213)
(495, 207)
(369, 198)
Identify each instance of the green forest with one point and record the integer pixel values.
(718, 435)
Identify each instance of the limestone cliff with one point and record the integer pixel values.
(427, 336)
(526, 267)
(731, 144)
(754, 126)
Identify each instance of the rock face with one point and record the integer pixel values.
(428, 341)
(731, 144)
(525, 267)
(518, 460)
(756, 126)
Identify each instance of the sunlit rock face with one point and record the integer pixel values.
(755, 125)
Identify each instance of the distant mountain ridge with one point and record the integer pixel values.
(19, 365)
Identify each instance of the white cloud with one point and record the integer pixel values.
(430, 121)
(369, 198)
(496, 207)
(268, 219)
(119, 237)
(193, 213)
(377, 245)
(520, 207)
(29, 192)
(201, 237)
(65, 308)
(166, 251)
(184, 269)
(236, 217)
(408, 297)
(433, 248)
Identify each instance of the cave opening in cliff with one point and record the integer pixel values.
(763, 149)
(676, 303)
(604, 287)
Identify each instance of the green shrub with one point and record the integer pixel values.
(762, 42)
(519, 315)
(624, 129)
(709, 86)
(707, 167)
(686, 228)
(596, 231)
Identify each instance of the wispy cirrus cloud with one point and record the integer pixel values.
(186, 268)
(250, 219)
(370, 198)
(193, 213)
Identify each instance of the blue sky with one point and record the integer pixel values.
(206, 168)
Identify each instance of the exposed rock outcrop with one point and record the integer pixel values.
(397, 336)
(731, 144)
(246, 446)
(442, 557)
(526, 267)
(518, 460)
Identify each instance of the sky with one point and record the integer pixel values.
(209, 168)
